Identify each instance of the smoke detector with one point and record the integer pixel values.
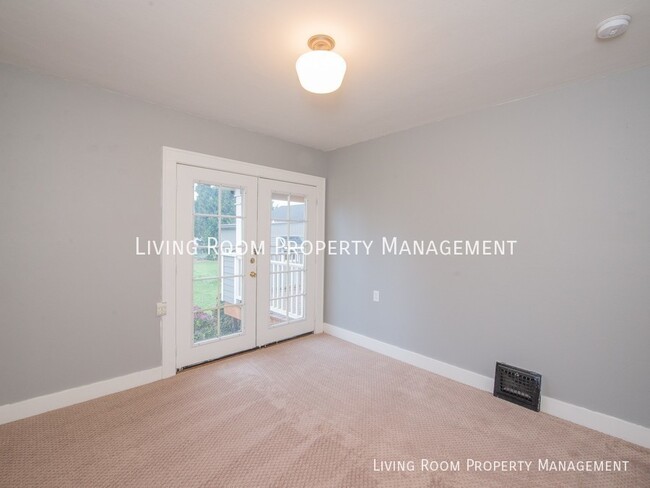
(613, 27)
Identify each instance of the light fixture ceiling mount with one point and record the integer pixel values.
(321, 42)
(321, 70)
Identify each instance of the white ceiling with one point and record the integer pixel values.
(409, 61)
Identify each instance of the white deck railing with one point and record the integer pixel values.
(288, 285)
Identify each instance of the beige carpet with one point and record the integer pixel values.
(310, 412)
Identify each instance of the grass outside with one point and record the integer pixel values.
(206, 292)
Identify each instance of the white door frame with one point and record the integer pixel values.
(171, 158)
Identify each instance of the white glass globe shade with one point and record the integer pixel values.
(320, 71)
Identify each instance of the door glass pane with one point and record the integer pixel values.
(231, 292)
(217, 267)
(205, 265)
(295, 253)
(207, 293)
(287, 273)
(205, 325)
(296, 308)
(206, 232)
(231, 202)
(297, 208)
(278, 312)
(230, 320)
(231, 232)
(279, 238)
(296, 283)
(206, 199)
(279, 282)
(279, 206)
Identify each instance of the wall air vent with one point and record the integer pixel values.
(518, 386)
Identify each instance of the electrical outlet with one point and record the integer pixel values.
(161, 309)
(375, 296)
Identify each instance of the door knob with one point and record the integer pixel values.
(253, 274)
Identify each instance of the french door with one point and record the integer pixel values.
(249, 278)
(286, 214)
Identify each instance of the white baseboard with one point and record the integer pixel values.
(601, 422)
(60, 399)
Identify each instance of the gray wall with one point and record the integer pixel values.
(567, 174)
(80, 177)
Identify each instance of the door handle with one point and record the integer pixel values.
(253, 274)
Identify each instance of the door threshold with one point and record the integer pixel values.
(240, 353)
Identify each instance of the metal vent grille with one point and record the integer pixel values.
(518, 386)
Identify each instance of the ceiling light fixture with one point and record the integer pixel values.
(321, 70)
